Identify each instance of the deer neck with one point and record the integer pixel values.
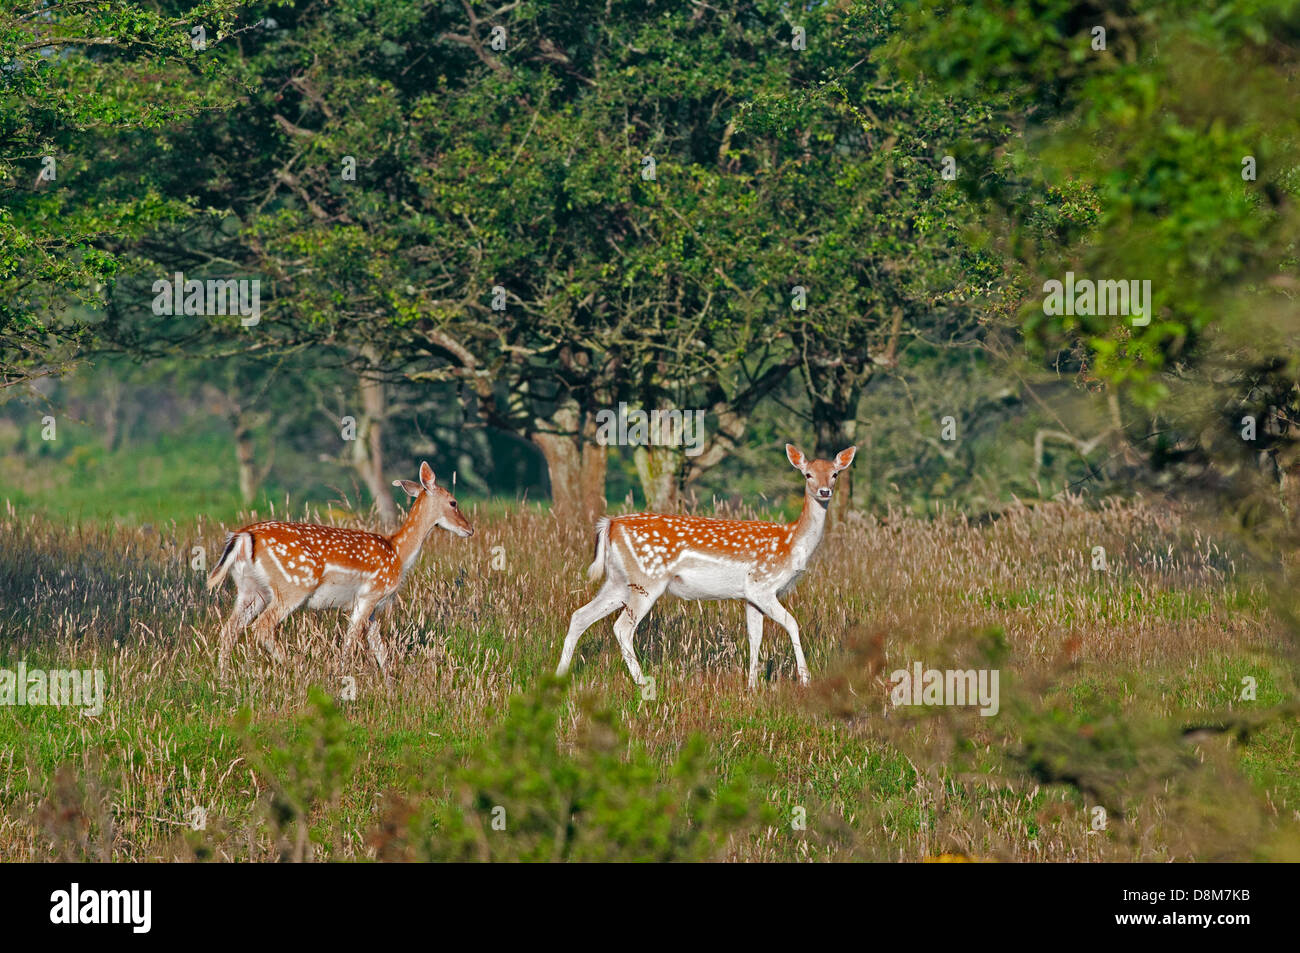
(410, 536)
(808, 530)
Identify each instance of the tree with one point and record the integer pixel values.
(1155, 143)
(71, 73)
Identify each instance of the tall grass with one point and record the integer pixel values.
(1101, 671)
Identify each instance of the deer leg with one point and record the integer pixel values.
(624, 629)
(374, 630)
(376, 643)
(249, 604)
(611, 596)
(359, 622)
(638, 604)
(754, 623)
(264, 630)
(351, 641)
(778, 614)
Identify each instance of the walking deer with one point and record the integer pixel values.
(278, 567)
(693, 557)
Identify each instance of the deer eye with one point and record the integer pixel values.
(453, 504)
(807, 476)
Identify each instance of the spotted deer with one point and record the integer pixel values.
(278, 567)
(646, 554)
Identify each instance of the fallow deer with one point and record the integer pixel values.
(646, 554)
(279, 566)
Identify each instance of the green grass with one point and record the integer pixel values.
(1100, 672)
(180, 476)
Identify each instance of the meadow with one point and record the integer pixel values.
(467, 235)
(1122, 732)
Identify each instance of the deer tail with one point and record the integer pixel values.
(228, 556)
(597, 567)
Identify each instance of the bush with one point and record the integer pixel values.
(526, 795)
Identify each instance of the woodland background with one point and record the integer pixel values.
(792, 147)
(1111, 525)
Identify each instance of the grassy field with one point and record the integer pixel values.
(1101, 673)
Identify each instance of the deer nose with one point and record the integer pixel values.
(824, 493)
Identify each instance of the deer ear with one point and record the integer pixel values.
(845, 457)
(410, 486)
(795, 457)
(427, 479)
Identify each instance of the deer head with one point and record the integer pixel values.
(433, 506)
(819, 475)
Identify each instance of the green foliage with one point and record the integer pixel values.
(72, 77)
(1135, 162)
(306, 771)
(1108, 758)
(522, 169)
(526, 794)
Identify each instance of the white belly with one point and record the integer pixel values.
(333, 595)
(715, 581)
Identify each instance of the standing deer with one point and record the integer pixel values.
(279, 566)
(693, 557)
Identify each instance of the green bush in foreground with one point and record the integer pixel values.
(523, 795)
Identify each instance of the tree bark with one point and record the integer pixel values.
(732, 416)
(659, 464)
(832, 437)
(658, 469)
(368, 448)
(244, 424)
(575, 463)
(836, 380)
(834, 394)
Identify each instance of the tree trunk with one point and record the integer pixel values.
(244, 423)
(368, 448)
(249, 478)
(835, 386)
(836, 427)
(659, 465)
(657, 468)
(835, 438)
(111, 395)
(575, 464)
